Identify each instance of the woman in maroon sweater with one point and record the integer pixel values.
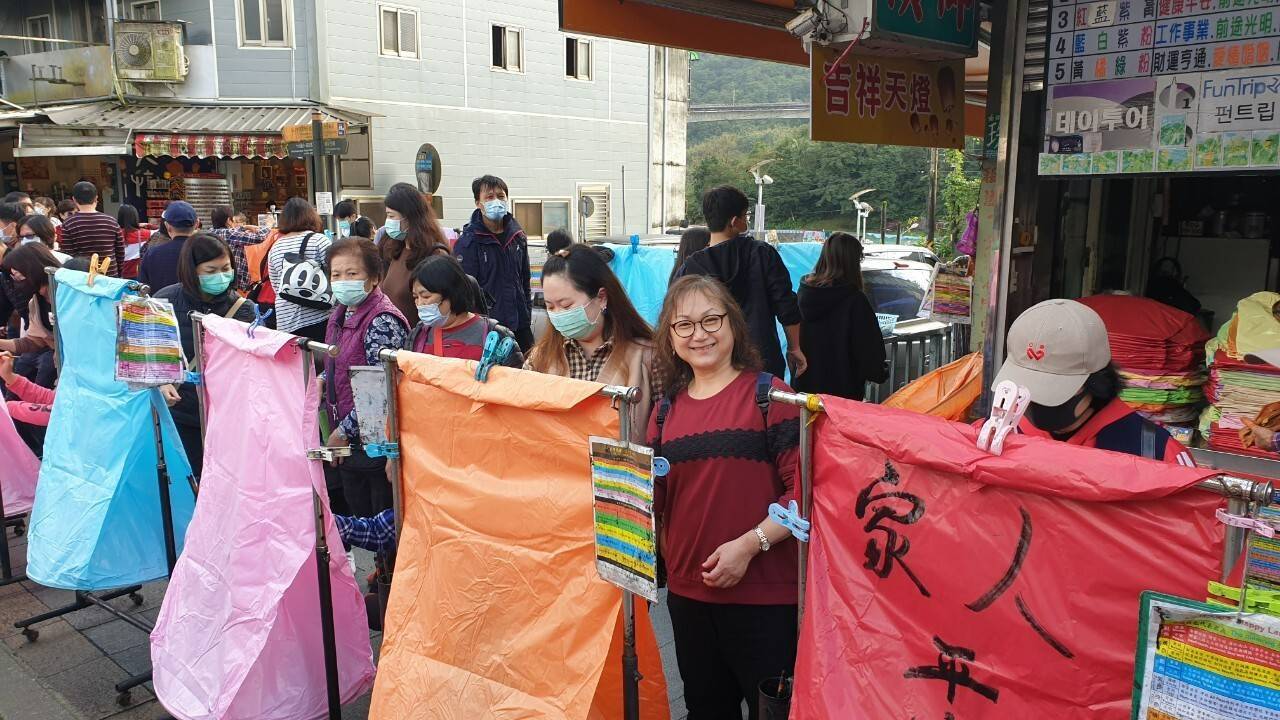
(731, 570)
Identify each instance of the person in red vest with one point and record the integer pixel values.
(1058, 350)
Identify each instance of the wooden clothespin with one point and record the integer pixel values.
(96, 269)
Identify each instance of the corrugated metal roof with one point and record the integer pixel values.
(226, 119)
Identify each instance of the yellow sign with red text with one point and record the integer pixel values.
(886, 100)
(331, 130)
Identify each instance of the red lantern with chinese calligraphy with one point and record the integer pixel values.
(945, 582)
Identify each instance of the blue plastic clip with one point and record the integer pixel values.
(496, 350)
(259, 317)
(661, 467)
(386, 450)
(635, 244)
(193, 377)
(789, 518)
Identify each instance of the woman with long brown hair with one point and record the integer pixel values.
(410, 235)
(838, 330)
(732, 589)
(595, 333)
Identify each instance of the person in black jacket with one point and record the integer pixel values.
(205, 276)
(838, 330)
(755, 275)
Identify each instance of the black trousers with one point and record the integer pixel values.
(193, 443)
(725, 651)
(364, 484)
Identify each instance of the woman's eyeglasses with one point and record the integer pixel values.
(709, 323)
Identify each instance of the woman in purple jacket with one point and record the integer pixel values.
(364, 323)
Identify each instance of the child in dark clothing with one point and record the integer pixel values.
(838, 329)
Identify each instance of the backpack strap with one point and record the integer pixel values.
(764, 383)
(302, 249)
(664, 409)
(1150, 436)
(235, 307)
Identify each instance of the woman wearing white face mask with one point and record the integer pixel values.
(364, 323)
(450, 320)
(596, 333)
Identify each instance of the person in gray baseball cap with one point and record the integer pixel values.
(1059, 351)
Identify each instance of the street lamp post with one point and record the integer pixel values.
(757, 172)
(864, 211)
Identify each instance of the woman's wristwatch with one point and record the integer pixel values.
(764, 539)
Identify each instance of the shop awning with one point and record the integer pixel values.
(222, 146)
(196, 130)
(54, 141)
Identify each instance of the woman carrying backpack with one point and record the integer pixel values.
(295, 266)
(838, 329)
(364, 323)
(411, 234)
(731, 571)
(449, 322)
(205, 276)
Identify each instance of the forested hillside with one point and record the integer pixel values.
(812, 181)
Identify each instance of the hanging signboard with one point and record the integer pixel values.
(626, 541)
(1199, 122)
(886, 100)
(1091, 41)
(1195, 661)
(948, 23)
(330, 130)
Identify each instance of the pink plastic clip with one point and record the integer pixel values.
(1262, 528)
(1008, 403)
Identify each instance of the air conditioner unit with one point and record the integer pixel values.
(150, 51)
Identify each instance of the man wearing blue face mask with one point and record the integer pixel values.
(345, 213)
(494, 250)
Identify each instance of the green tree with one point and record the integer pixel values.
(958, 195)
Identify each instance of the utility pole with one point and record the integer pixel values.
(884, 219)
(931, 219)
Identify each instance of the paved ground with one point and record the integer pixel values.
(70, 671)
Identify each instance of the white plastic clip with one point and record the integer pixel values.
(1008, 403)
(328, 454)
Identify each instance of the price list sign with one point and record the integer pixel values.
(1114, 39)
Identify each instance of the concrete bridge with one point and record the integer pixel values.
(756, 111)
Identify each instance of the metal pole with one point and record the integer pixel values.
(197, 341)
(933, 195)
(319, 182)
(630, 662)
(1005, 93)
(390, 372)
(162, 477)
(324, 584)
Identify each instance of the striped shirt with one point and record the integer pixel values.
(291, 316)
(87, 233)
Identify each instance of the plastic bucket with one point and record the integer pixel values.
(775, 698)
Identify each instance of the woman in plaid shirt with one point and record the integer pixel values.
(596, 333)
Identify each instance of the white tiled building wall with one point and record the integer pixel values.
(541, 131)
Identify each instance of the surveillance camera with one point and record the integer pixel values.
(767, 180)
(804, 24)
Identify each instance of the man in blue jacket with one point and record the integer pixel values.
(494, 250)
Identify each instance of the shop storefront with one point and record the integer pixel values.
(148, 156)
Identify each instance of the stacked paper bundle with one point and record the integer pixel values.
(148, 347)
(1238, 389)
(1158, 352)
(1242, 376)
